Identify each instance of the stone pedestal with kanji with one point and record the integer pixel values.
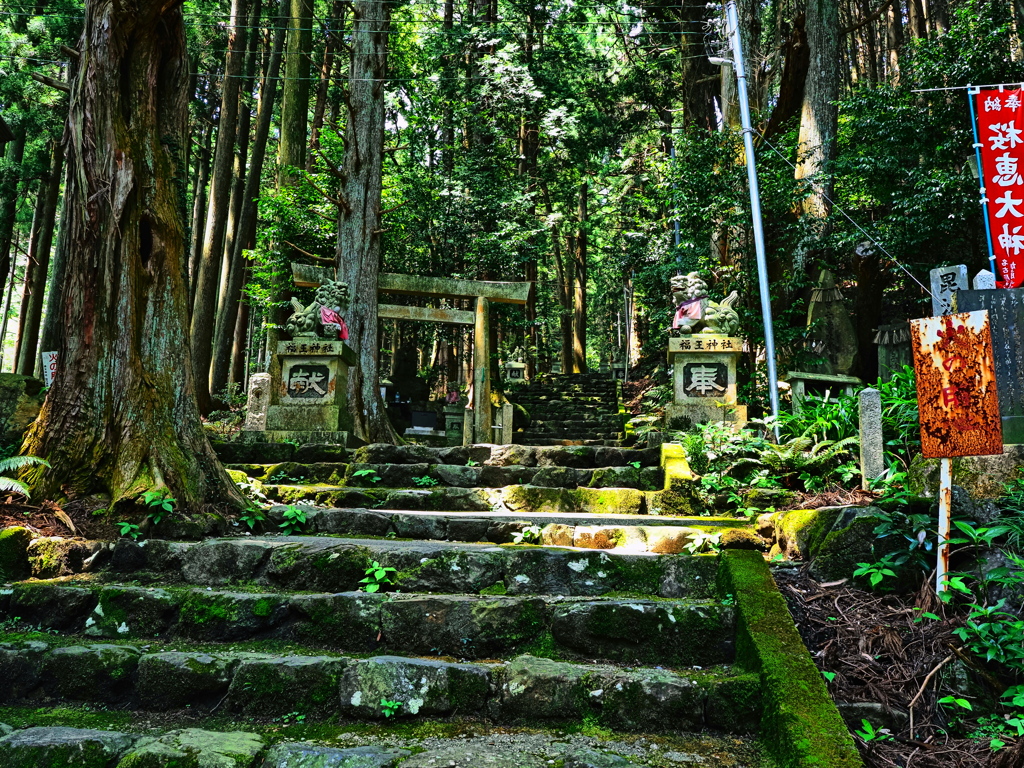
(704, 380)
(308, 401)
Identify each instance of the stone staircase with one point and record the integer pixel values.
(571, 409)
(205, 643)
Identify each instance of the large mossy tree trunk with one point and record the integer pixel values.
(360, 220)
(121, 415)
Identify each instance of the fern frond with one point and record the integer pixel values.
(17, 462)
(10, 484)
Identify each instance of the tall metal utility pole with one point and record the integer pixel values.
(733, 25)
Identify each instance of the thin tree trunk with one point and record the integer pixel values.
(227, 300)
(326, 75)
(579, 316)
(39, 262)
(204, 311)
(227, 327)
(359, 247)
(121, 416)
(199, 213)
(295, 101)
(9, 184)
(35, 229)
(819, 116)
(893, 42)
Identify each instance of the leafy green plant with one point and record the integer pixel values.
(294, 519)
(369, 474)
(12, 463)
(425, 481)
(472, 463)
(635, 464)
(130, 530)
(702, 541)
(251, 517)
(389, 707)
(159, 503)
(877, 572)
(962, 703)
(869, 733)
(531, 534)
(377, 576)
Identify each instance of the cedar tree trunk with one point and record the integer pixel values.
(121, 415)
(360, 221)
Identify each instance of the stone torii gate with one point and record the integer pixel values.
(483, 292)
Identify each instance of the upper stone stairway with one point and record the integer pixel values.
(571, 409)
(602, 644)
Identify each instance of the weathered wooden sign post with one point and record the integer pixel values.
(957, 401)
(482, 292)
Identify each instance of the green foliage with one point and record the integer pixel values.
(252, 516)
(160, 503)
(531, 534)
(869, 733)
(389, 707)
(11, 463)
(294, 520)
(702, 541)
(129, 530)
(425, 481)
(377, 576)
(369, 474)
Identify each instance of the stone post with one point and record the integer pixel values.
(872, 444)
(258, 403)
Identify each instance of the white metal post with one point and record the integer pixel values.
(733, 22)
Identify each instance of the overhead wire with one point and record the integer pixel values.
(847, 216)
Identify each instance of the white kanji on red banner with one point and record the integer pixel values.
(1001, 133)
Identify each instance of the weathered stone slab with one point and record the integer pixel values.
(478, 756)
(176, 679)
(315, 756)
(100, 673)
(195, 747)
(278, 686)
(466, 627)
(130, 612)
(258, 402)
(421, 687)
(226, 616)
(19, 669)
(52, 606)
(64, 747)
(650, 632)
(347, 620)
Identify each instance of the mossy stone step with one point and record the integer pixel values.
(667, 632)
(495, 527)
(525, 689)
(392, 744)
(324, 564)
(512, 498)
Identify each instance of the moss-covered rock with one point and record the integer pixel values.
(846, 545)
(56, 747)
(349, 620)
(799, 532)
(315, 756)
(21, 397)
(19, 669)
(466, 627)
(14, 553)
(278, 686)
(742, 538)
(130, 612)
(420, 686)
(983, 477)
(679, 498)
(195, 748)
(682, 634)
(175, 679)
(800, 725)
(102, 673)
(329, 569)
(53, 556)
(52, 606)
(226, 616)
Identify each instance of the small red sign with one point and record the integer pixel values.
(1001, 134)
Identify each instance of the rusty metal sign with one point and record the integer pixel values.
(956, 386)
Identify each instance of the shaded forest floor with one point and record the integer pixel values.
(879, 653)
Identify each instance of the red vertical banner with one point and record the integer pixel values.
(1001, 135)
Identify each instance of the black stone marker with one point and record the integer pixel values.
(1006, 319)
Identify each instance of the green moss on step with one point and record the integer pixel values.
(800, 723)
(13, 553)
(498, 588)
